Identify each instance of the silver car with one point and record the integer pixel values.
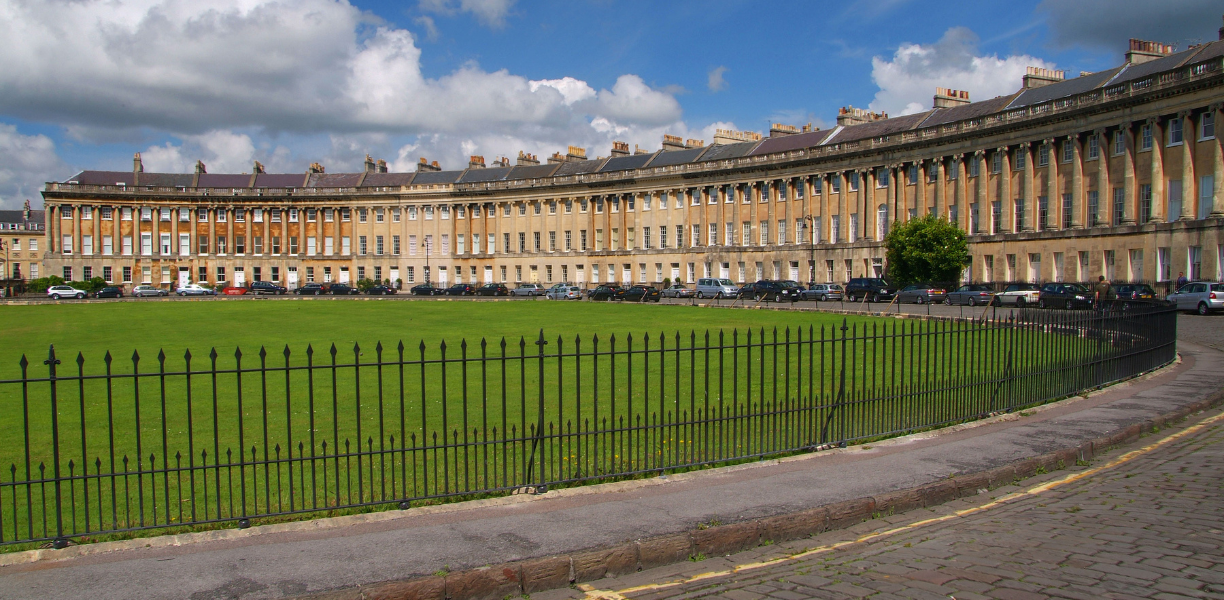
(823, 292)
(1200, 296)
(148, 290)
(564, 293)
(677, 291)
(528, 289)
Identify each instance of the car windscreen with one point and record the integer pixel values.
(725, 282)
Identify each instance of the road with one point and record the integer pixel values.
(1145, 521)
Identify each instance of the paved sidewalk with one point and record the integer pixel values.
(583, 534)
(1145, 521)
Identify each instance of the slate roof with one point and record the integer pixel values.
(275, 180)
(973, 110)
(677, 157)
(436, 177)
(875, 129)
(387, 179)
(787, 143)
(486, 174)
(578, 167)
(725, 151)
(333, 180)
(36, 222)
(532, 171)
(626, 163)
(1063, 89)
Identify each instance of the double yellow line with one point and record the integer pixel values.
(595, 594)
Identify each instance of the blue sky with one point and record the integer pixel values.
(86, 83)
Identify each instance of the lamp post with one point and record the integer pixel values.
(809, 224)
(428, 246)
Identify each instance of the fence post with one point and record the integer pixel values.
(537, 439)
(60, 541)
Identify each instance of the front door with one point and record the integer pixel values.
(239, 277)
(184, 276)
(292, 279)
(344, 275)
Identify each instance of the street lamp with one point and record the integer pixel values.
(809, 224)
(428, 246)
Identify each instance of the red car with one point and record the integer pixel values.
(234, 291)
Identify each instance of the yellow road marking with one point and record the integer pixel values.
(594, 594)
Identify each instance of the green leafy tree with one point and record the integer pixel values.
(926, 249)
(41, 284)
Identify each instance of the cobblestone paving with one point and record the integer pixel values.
(1150, 527)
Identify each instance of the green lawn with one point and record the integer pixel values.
(443, 425)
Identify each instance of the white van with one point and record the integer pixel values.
(708, 287)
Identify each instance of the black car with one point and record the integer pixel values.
(310, 289)
(461, 289)
(745, 291)
(427, 289)
(778, 291)
(874, 289)
(266, 287)
(606, 292)
(380, 290)
(1131, 295)
(109, 292)
(641, 293)
(340, 289)
(1064, 295)
(493, 289)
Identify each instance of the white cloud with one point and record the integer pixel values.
(297, 66)
(431, 29)
(26, 163)
(222, 151)
(908, 80)
(491, 13)
(715, 81)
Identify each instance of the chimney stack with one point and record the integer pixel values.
(424, 166)
(502, 162)
(369, 164)
(639, 150)
(779, 130)
(199, 168)
(1036, 77)
(25, 210)
(694, 143)
(1143, 51)
(556, 158)
(576, 153)
(672, 142)
(848, 115)
(620, 149)
(316, 168)
(137, 165)
(258, 168)
(947, 98)
(476, 162)
(380, 166)
(731, 136)
(527, 160)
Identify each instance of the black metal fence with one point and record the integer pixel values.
(103, 448)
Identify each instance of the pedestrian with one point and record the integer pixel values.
(1101, 292)
(1181, 279)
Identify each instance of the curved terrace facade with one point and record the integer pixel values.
(1115, 173)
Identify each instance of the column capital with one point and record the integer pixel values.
(1152, 121)
(979, 153)
(1024, 145)
(1216, 107)
(1183, 114)
(1049, 141)
(1099, 131)
(1002, 149)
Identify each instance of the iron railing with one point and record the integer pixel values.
(95, 447)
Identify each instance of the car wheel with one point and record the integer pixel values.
(82, 296)
(824, 297)
(1070, 305)
(1020, 302)
(181, 294)
(948, 301)
(972, 302)
(996, 302)
(55, 296)
(919, 300)
(1203, 309)
(876, 298)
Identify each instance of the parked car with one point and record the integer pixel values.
(142, 291)
(56, 292)
(310, 289)
(777, 291)
(1199, 296)
(230, 290)
(972, 294)
(493, 289)
(195, 289)
(873, 288)
(640, 293)
(823, 292)
(1130, 295)
(380, 290)
(109, 291)
(1064, 295)
(1019, 295)
(427, 289)
(605, 292)
(461, 289)
(677, 291)
(921, 293)
(572, 292)
(266, 287)
(709, 287)
(528, 289)
(342, 289)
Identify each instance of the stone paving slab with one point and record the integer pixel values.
(1143, 521)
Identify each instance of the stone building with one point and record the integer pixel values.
(1113, 173)
(23, 238)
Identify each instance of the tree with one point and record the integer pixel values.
(926, 249)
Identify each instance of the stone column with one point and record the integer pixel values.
(1104, 190)
(1217, 164)
(1032, 208)
(1054, 190)
(1077, 182)
(230, 249)
(1128, 174)
(1189, 204)
(1007, 204)
(870, 214)
(212, 230)
(1158, 193)
(826, 221)
(941, 208)
(979, 190)
(962, 182)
